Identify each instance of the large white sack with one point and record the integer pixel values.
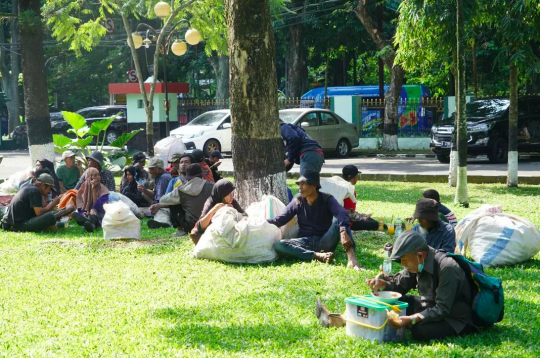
(11, 185)
(167, 147)
(268, 208)
(339, 188)
(231, 238)
(119, 222)
(495, 239)
(115, 196)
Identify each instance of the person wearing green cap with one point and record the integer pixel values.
(26, 211)
(443, 307)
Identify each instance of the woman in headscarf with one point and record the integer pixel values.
(129, 187)
(222, 195)
(90, 199)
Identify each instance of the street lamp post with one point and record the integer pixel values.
(178, 47)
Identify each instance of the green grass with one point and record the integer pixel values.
(73, 294)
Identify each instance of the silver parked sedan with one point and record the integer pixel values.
(331, 131)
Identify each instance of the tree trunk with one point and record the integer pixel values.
(475, 69)
(512, 179)
(220, 64)
(326, 77)
(453, 168)
(36, 101)
(297, 81)
(257, 146)
(462, 196)
(390, 128)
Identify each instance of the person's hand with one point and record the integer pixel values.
(368, 216)
(93, 212)
(346, 241)
(154, 208)
(215, 165)
(79, 164)
(287, 162)
(56, 200)
(140, 187)
(388, 247)
(403, 321)
(376, 284)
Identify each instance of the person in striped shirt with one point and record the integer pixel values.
(445, 214)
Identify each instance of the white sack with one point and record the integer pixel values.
(268, 208)
(119, 222)
(167, 147)
(115, 196)
(339, 188)
(496, 239)
(11, 185)
(231, 238)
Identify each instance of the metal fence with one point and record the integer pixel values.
(415, 116)
(188, 109)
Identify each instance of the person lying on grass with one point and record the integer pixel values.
(90, 199)
(442, 308)
(322, 224)
(27, 211)
(222, 195)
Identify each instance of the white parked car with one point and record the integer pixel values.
(209, 131)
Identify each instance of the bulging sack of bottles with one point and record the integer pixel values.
(233, 238)
(119, 222)
(167, 147)
(268, 208)
(495, 239)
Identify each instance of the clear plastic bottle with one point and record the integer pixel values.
(387, 264)
(398, 227)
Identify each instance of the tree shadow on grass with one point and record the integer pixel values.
(532, 191)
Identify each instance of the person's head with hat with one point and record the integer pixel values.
(214, 157)
(410, 249)
(427, 213)
(156, 167)
(351, 174)
(174, 163)
(198, 155)
(139, 160)
(309, 184)
(69, 158)
(45, 183)
(193, 171)
(95, 160)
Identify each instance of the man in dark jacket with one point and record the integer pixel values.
(301, 149)
(185, 203)
(443, 306)
(322, 224)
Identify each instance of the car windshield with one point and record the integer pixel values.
(208, 119)
(289, 116)
(486, 108)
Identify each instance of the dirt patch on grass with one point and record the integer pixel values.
(127, 243)
(65, 243)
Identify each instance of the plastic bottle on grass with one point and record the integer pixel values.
(398, 227)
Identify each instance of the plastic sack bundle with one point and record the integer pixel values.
(268, 208)
(495, 239)
(11, 185)
(167, 147)
(231, 238)
(114, 197)
(119, 222)
(339, 188)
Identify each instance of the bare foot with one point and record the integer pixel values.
(324, 257)
(355, 265)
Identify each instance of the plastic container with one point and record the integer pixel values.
(368, 320)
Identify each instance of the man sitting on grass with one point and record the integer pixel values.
(26, 211)
(322, 222)
(438, 234)
(445, 214)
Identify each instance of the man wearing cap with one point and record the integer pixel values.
(185, 160)
(438, 234)
(443, 307)
(26, 211)
(214, 162)
(161, 181)
(301, 149)
(95, 160)
(199, 157)
(322, 224)
(359, 221)
(174, 165)
(182, 207)
(68, 174)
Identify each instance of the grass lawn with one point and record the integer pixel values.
(72, 294)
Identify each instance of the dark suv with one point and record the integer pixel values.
(487, 125)
(92, 114)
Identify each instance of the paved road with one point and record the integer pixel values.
(19, 160)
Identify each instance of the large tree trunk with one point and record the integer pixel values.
(220, 64)
(453, 168)
(297, 77)
(392, 96)
(257, 146)
(462, 196)
(512, 178)
(36, 102)
(475, 69)
(10, 75)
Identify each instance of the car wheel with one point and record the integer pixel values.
(111, 136)
(498, 151)
(210, 146)
(343, 148)
(443, 158)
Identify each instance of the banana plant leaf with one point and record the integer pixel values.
(121, 141)
(75, 120)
